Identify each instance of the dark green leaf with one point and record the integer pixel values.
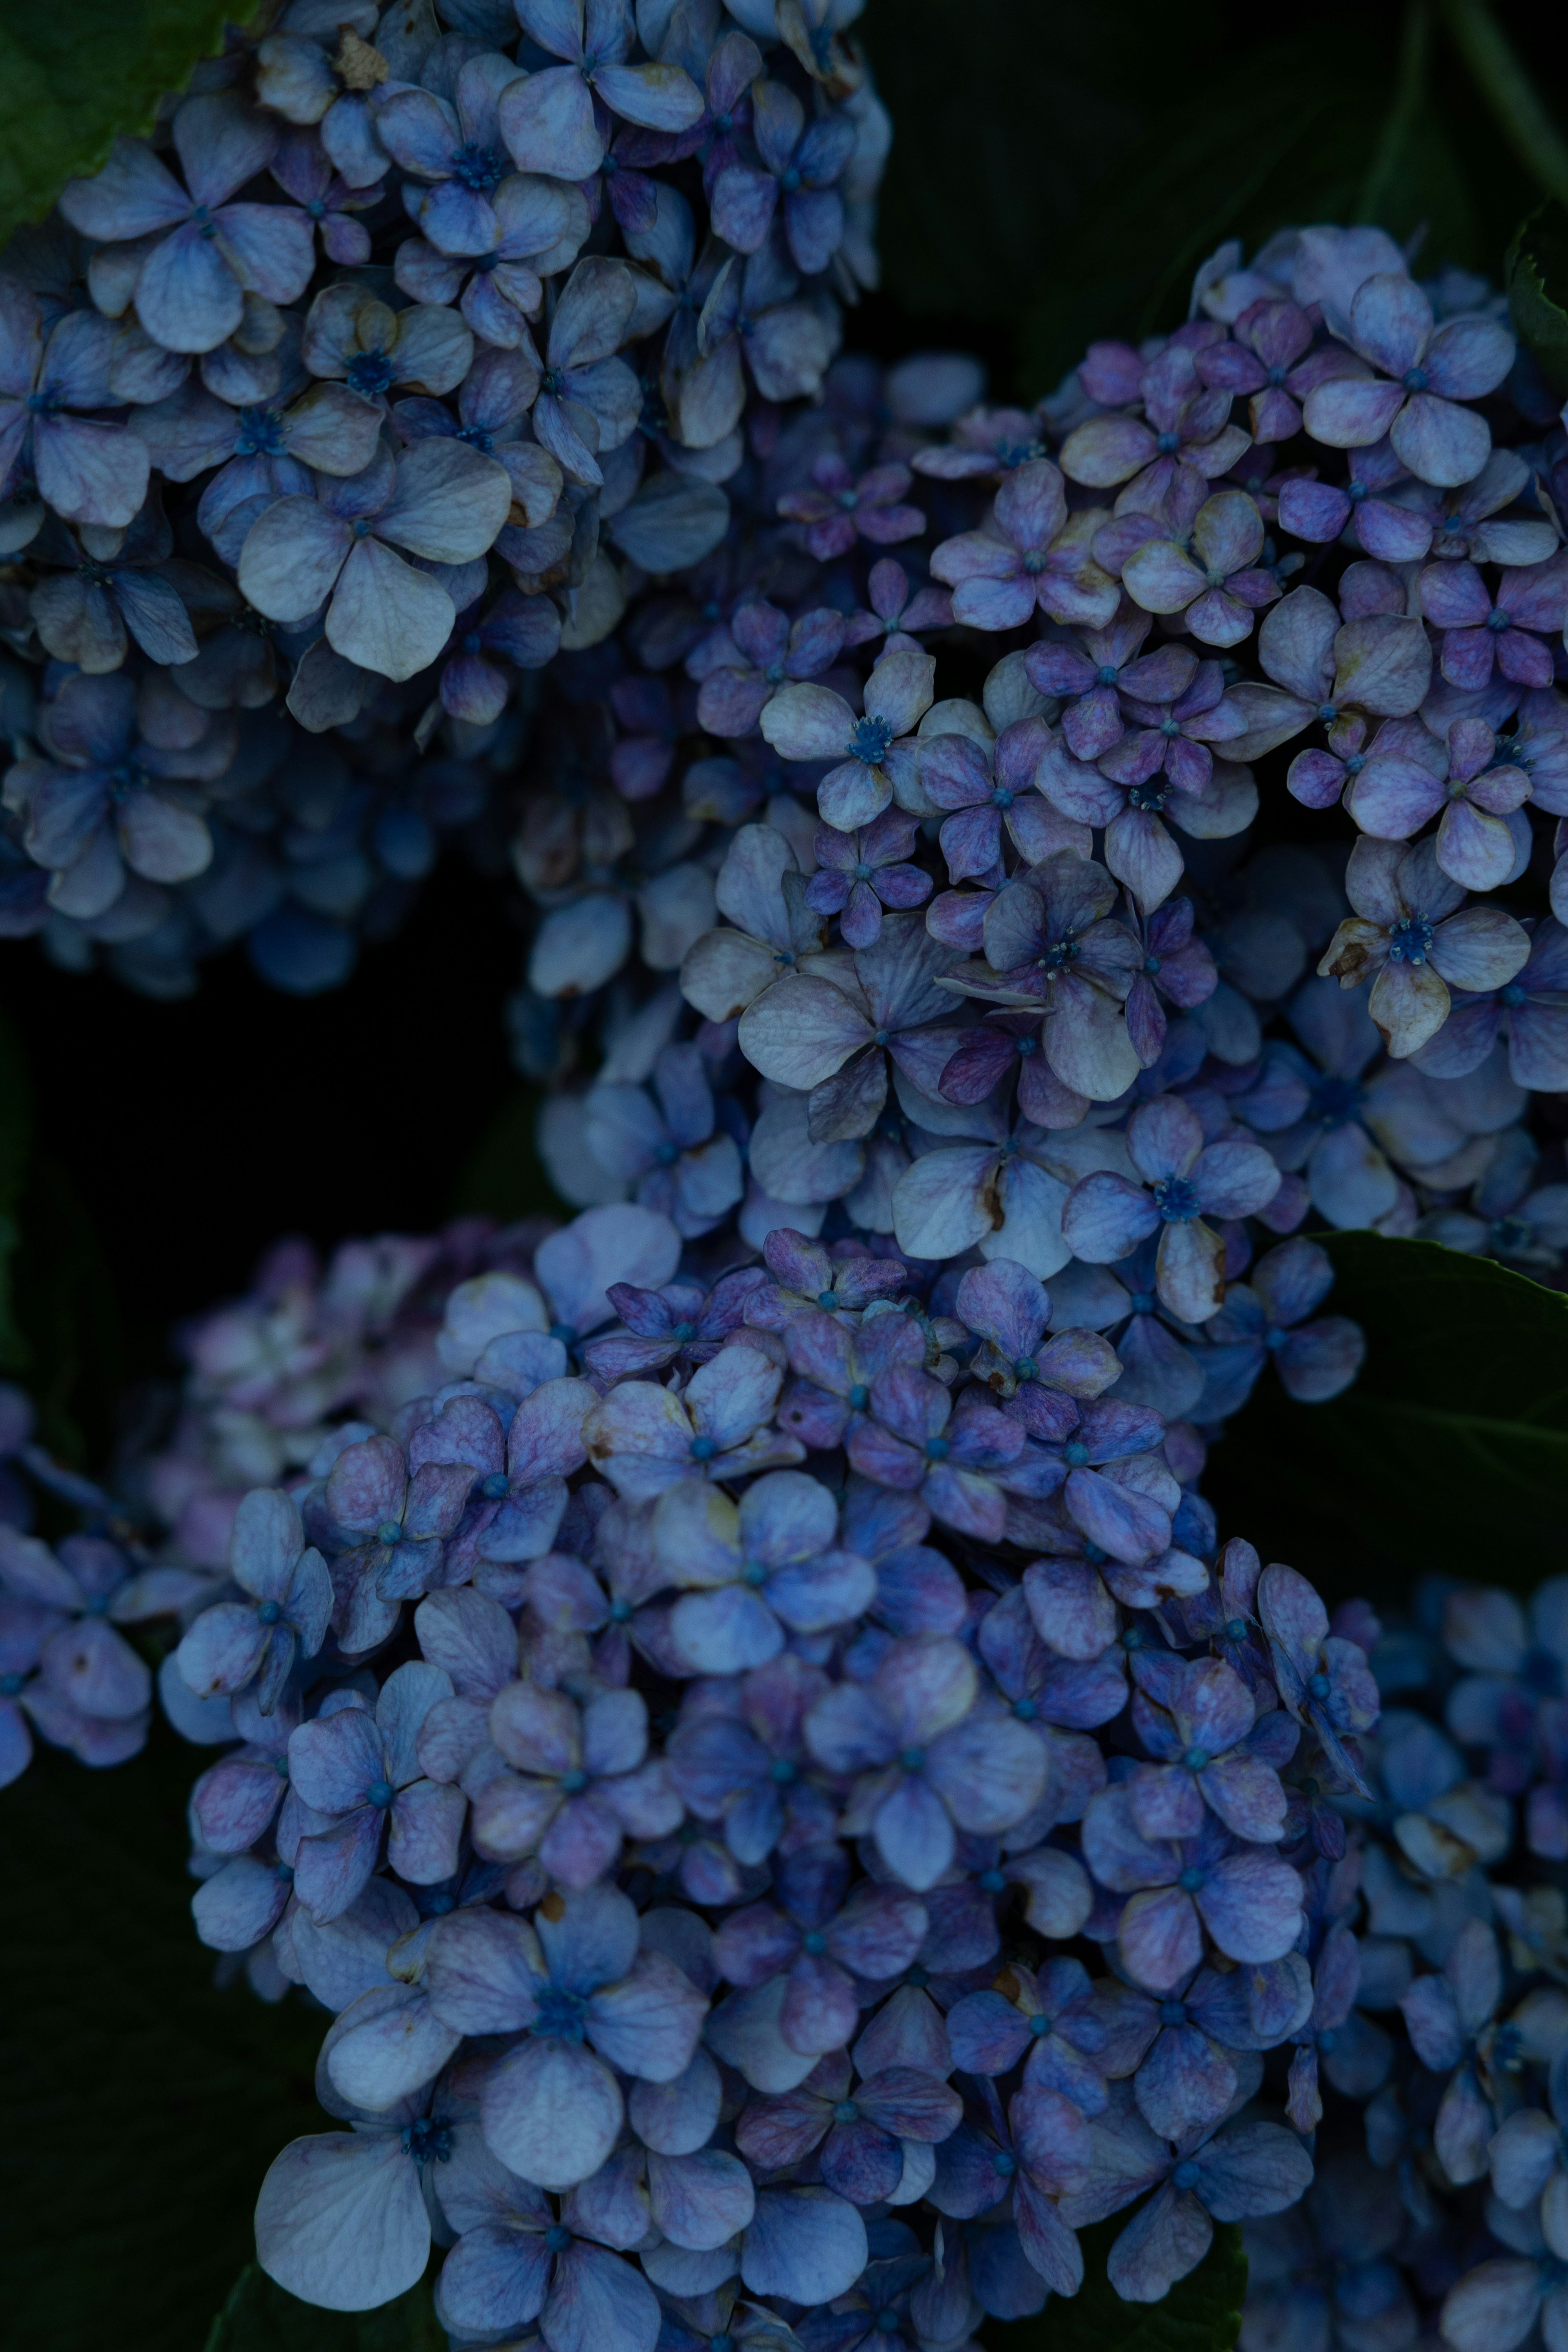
(1201, 2314)
(143, 2104)
(72, 77)
(260, 2316)
(502, 1177)
(1450, 1452)
(1537, 280)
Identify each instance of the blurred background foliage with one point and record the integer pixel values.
(1060, 167)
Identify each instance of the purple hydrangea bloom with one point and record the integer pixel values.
(191, 285)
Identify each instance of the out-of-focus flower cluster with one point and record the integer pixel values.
(68, 1673)
(407, 352)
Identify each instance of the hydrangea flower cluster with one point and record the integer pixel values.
(405, 354)
(693, 1749)
(68, 1673)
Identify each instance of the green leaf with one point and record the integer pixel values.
(502, 1176)
(260, 2317)
(73, 78)
(1536, 275)
(1451, 1451)
(1201, 2314)
(143, 2103)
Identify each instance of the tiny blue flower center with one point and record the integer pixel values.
(389, 1532)
(991, 1882)
(553, 381)
(477, 438)
(1066, 949)
(557, 2238)
(1513, 995)
(862, 873)
(886, 2323)
(1026, 1710)
(937, 1449)
(1498, 620)
(684, 1332)
(846, 2112)
(917, 1977)
(485, 262)
(1150, 798)
(268, 1612)
(1004, 2163)
(666, 1154)
(1076, 1454)
(1025, 1367)
(1191, 1880)
(573, 1784)
(912, 1759)
(1151, 965)
(566, 1333)
(479, 167)
(1328, 712)
(369, 372)
(258, 433)
(1326, 2040)
(1197, 1760)
(703, 1449)
(780, 1771)
(1275, 377)
(493, 1488)
(427, 2142)
(620, 1612)
(1106, 675)
(1143, 1302)
(1335, 1101)
(10, 1685)
(1320, 1687)
(815, 1943)
(380, 1794)
(1173, 2012)
(1168, 443)
(753, 1572)
(1235, 1630)
(1186, 2175)
(203, 222)
(44, 404)
(1002, 798)
(560, 2014)
(360, 527)
(1041, 2026)
(869, 742)
(1176, 1199)
(1027, 1046)
(1414, 379)
(860, 1397)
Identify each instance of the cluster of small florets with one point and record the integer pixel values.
(404, 357)
(695, 1750)
(1434, 2059)
(67, 1673)
(1023, 909)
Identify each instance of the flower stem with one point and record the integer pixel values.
(1506, 86)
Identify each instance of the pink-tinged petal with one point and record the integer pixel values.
(1159, 1937)
(1106, 450)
